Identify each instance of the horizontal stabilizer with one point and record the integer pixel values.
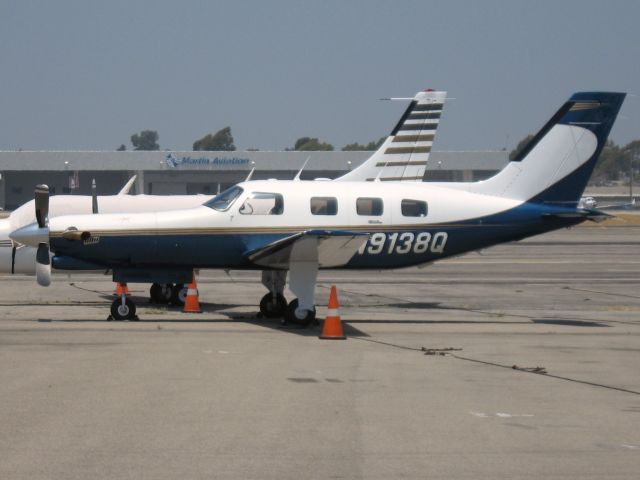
(585, 214)
(329, 248)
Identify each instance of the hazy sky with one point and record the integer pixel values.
(85, 75)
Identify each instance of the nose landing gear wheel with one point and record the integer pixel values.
(273, 309)
(293, 315)
(123, 312)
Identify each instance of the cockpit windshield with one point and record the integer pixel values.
(223, 201)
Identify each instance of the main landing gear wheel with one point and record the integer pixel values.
(160, 294)
(178, 294)
(273, 309)
(126, 311)
(291, 316)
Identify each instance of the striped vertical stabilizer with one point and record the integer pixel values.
(405, 153)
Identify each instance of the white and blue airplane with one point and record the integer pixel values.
(300, 227)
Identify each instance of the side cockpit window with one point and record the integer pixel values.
(224, 200)
(414, 208)
(323, 206)
(263, 203)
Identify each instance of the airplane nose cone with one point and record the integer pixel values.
(31, 235)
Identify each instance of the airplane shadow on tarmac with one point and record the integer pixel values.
(348, 325)
(219, 308)
(311, 331)
(526, 320)
(548, 321)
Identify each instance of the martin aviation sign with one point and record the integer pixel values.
(176, 161)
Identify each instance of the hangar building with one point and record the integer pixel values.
(170, 172)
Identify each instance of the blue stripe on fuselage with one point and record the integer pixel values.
(389, 249)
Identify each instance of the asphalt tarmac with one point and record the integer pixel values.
(520, 362)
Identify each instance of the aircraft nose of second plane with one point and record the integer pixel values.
(30, 235)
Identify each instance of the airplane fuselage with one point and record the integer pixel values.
(403, 224)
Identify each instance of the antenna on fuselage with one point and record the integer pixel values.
(297, 177)
(127, 186)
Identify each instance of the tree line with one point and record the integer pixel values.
(615, 161)
(222, 140)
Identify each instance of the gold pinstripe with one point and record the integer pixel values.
(584, 106)
(413, 138)
(403, 150)
(393, 179)
(402, 164)
(272, 230)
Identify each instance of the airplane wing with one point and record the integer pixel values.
(328, 248)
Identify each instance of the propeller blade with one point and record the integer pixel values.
(94, 197)
(42, 205)
(13, 258)
(43, 265)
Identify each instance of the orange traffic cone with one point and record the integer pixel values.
(121, 288)
(191, 303)
(332, 328)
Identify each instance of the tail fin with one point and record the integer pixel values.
(555, 166)
(404, 154)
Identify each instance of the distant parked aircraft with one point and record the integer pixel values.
(590, 202)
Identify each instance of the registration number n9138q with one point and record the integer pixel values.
(404, 242)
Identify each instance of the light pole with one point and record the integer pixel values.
(633, 157)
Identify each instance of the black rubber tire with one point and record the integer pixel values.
(155, 293)
(290, 315)
(178, 294)
(165, 293)
(123, 312)
(269, 310)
